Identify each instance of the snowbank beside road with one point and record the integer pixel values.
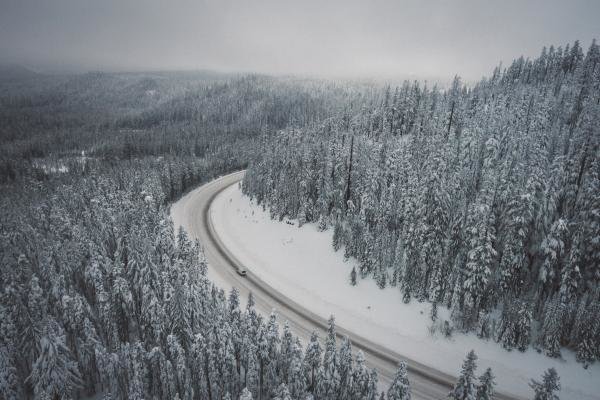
(301, 264)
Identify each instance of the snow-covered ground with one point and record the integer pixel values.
(301, 263)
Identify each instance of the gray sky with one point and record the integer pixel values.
(368, 38)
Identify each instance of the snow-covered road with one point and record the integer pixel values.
(219, 217)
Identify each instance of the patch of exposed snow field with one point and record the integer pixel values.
(301, 263)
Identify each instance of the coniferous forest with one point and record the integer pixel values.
(99, 295)
(482, 198)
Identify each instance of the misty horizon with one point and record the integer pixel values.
(379, 40)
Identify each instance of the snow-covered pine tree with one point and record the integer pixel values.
(345, 367)
(515, 325)
(551, 331)
(329, 381)
(479, 263)
(465, 388)
(54, 372)
(547, 388)
(246, 395)
(312, 362)
(400, 387)
(485, 388)
(360, 377)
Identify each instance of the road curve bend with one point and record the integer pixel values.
(192, 212)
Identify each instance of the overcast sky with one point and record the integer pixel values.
(368, 38)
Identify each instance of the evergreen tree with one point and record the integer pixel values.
(312, 361)
(479, 265)
(329, 380)
(515, 325)
(345, 369)
(551, 330)
(246, 395)
(485, 388)
(547, 388)
(400, 387)
(54, 373)
(360, 378)
(465, 389)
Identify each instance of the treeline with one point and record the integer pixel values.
(482, 199)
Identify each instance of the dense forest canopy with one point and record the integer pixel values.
(98, 294)
(484, 199)
(478, 198)
(130, 115)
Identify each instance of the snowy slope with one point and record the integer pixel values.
(301, 263)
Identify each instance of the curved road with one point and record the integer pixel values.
(193, 213)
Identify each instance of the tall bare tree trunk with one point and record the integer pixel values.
(349, 179)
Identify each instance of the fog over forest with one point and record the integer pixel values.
(446, 154)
